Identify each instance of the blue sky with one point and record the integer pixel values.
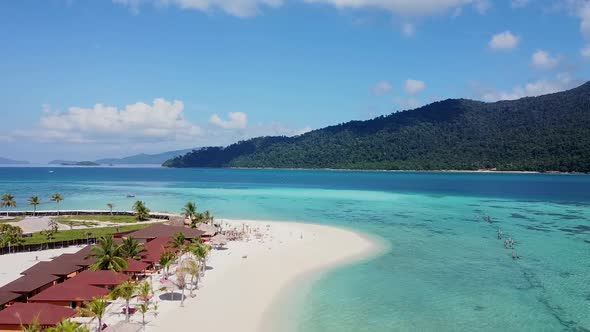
(88, 79)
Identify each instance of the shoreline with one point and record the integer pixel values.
(250, 290)
(483, 171)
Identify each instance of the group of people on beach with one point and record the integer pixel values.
(508, 244)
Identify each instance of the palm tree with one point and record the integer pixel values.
(7, 202)
(207, 216)
(143, 309)
(125, 291)
(144, 291)
(166, 259)
(34, 327)
(178, 241)
(34, 201)
(131, 248)
(142, 213)
(111, 206)
(108, 256)
(193, 268)
(57, 197)
(201, 251)
(155, 307)
(96, 308)
(10, 235)
(68, 326)
(181, 283)
(190, 211)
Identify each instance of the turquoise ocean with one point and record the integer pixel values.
(444, 268)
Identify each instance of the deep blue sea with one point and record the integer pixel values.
(444, 270)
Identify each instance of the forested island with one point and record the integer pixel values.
(545, 133)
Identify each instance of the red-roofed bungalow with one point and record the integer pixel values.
(30, 285)
(102, 278)
(25, 314)
(71, 293)
(135, 267)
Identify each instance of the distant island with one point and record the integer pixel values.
(545, 133)
(139, 159)
(6, 161)
(80, 163)
(144, 159)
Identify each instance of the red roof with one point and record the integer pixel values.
(134, 266)
(7, 297)
(154, 249)
(29, 283)
(70, 291)
(100, 278)
(58, 267)
(27, 313)
(161, 230)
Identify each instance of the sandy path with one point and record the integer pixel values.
(13, 264)
(237, 293)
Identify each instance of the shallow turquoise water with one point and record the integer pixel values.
(445, 269)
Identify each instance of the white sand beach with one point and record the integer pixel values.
(243, 281)
(237, 293)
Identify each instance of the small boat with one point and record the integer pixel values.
(130, 195)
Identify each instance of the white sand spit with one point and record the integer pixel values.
(246, 279)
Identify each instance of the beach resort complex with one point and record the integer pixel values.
(156, 277)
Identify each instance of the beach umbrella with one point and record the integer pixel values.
(209, 230)
(219, 240)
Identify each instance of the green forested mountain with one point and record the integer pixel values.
(545, 133)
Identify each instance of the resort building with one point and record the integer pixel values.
(71, 293)
(52, 290)
(26, 314)
(164, 231)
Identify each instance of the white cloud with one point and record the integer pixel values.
(408, 29)
(562, 82)
(247, 8)
(504, 41)
(237, 120)
(585, 52)
(584, 14)
(161, 121)
(399, 7)
(381, 88)
(239, 8)
(414, 86)
(482, 6)
(6, 139)
(543, 60)
(519, 3)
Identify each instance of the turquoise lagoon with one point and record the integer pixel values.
(444, 268)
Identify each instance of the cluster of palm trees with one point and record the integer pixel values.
(112, 256)
(190, 211)
(10, 235)
(142, 213)
(8, 201)
(194, 265)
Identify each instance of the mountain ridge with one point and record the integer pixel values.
(544, 133)
(7, 161)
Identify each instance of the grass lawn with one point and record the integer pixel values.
(72, 222)
(15, 219)
(117, 219)
(76, 234)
